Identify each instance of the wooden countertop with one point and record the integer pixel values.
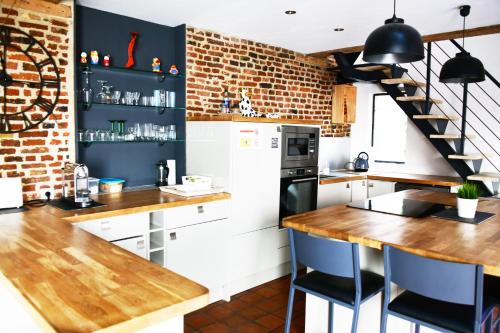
(397, 177)
(240, 118)
(73, 281)
(430, 237)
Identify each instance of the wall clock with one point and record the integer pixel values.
(29, 81)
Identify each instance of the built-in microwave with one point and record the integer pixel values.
(300, 145)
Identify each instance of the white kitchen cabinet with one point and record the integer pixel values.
(379, 187)
(334, 194)
(199, 252)
(359, 190)
(118, 227)
(136, 245)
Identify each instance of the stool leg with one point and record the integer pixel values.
(330, 317)
(417, 328)
(289, 309)
(355, 317)
(385, 314)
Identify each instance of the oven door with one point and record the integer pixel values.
(298, 195)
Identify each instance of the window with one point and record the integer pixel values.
(388, 130)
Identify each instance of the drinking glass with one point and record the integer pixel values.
(144, 101)
(81, 133)
(116, 96)
(138, 132)
(90, 135)
(107, 95)
(172, 133)
(136, 96)
(101, 96)
(130, 134)
(171, 99)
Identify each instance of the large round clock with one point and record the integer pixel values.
(29, 81)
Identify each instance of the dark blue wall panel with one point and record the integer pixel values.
(110, 33)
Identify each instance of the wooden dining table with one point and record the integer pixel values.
(429, 236)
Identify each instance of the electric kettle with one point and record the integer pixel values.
(361, 162)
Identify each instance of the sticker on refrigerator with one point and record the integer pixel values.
(250, 137)
(274, 143)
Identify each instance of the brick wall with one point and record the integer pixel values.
(297, 86)
(38, 155)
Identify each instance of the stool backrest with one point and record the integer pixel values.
(442, 280)
(324, 255)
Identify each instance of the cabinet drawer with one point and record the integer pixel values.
(194, 214)
(136, 245)
(119, 227)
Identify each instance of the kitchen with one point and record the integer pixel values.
(262, 132)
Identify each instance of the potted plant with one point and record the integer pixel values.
(467, 199)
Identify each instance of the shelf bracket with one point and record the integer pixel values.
(161, 110)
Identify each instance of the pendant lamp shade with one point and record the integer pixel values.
(394, 43)
(461, 69)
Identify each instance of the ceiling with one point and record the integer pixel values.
(312, 28)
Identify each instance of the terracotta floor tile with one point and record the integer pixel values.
(216, 328)
(269, 305)
(252, 313)
(236, 321)
(268, 291)
(251, 298)
(251, 328)
(218, 313)
(270, 321)
(198, 319)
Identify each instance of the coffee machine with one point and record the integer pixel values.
(162, 173)
(81, 181)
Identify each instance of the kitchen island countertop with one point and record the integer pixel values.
(73, 281)
(429, 236)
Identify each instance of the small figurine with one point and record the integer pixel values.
(106, 61)
(246, 105)
(83, 58)
(156, 65)
(173, 70)
(131, 46)
(94, 57)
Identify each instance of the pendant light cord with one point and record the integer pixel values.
(394, 9)
(463, 34)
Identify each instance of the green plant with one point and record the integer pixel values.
(468, 191)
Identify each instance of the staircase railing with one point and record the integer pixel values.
(438, 91)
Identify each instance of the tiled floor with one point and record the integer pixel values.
(261, 309)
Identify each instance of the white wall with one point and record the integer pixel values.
(334, 152)
(421, 156)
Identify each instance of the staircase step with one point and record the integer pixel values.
(372, 68)
(450, 136)
(470, 157)
(417, 99)
(408, 82)
(434, 117)
(485, 177)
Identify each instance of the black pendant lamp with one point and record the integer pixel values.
(463, 68)
(394, 43)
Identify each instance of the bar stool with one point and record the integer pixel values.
(445, 296)
(492, 289)
(336, 278)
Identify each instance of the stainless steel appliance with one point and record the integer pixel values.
(298, 191)
(300, 145)
(81, 181)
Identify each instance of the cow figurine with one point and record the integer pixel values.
(246, 105)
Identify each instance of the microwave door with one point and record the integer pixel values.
(296, 147)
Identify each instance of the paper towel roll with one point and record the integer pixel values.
(171, 172)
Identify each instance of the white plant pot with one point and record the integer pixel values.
(467, 207)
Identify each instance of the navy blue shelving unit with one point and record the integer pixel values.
(110, 34)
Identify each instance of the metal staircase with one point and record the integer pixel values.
(418, 101)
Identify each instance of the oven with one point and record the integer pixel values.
(300, 146)
(298, 191)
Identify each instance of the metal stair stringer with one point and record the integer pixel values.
(441, 145)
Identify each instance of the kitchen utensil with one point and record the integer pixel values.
(349, 166)
(161, 173)
(361, 162)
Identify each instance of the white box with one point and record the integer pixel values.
(11, 192)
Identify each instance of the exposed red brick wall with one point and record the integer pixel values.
(37, 155)
(280, 80)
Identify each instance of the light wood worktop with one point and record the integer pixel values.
(430, 237)
(240, 118)
(396, 177)
(73, 281)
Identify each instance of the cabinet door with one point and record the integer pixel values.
(379, 187)
(334, 194)
(359, 190)
(344, 104)
(136, 245)
(198, 252)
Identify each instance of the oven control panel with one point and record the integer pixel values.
(297, 172)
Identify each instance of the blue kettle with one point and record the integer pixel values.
(361, 162)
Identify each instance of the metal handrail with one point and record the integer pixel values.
(442, 111)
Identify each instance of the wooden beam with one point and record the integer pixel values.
(487, 30)
(39, 6)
